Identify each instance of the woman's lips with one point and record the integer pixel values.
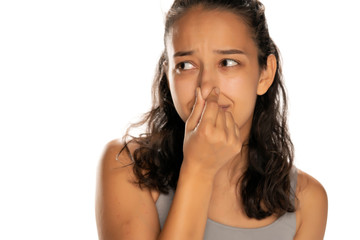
(224, 107)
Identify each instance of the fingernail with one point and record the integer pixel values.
(217, 91)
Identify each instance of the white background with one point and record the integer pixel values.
(74, 74)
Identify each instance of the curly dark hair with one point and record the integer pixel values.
(265, 185)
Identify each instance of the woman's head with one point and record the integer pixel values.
(247, 78)
(211, 45)
(230, 48)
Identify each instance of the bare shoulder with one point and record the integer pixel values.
(123, 210)
(312, 207)
(116, 155)
(308, 185)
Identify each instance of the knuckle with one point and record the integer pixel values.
(220, 136)
(206, 130)
(231, 139)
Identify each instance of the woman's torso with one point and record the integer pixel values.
(227, 221)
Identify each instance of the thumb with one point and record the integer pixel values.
(196, 112)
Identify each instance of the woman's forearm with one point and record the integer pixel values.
(188, 213)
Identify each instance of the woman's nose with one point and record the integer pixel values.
(208, 80)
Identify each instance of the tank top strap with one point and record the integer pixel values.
(293, 182)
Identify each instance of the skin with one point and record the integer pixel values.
(213, 142)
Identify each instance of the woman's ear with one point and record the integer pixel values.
(267, 75)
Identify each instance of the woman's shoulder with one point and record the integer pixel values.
(116, 156)
(307, 186)
(312, 206)
(117, 153)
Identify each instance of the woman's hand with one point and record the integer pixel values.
(212, 137)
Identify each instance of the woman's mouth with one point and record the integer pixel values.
(224, 107)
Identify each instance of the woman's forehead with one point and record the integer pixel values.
(199, 28)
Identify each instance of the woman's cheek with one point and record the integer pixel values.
(242, 92)
(183, 95)
(238, 86)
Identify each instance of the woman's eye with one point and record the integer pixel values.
(184, 66)
(229, 63)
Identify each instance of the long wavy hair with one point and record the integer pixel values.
(265, 185)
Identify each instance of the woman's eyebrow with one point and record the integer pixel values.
(228, 51)
(183, 53)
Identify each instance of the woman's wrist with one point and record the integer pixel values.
(197, 173)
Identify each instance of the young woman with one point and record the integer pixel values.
(216, 161)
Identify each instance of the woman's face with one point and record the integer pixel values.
(212, 48)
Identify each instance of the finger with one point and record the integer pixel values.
(211, 107)
(196, 112)
(238, 137)
(230, 124)
(221, 121)
(234, 129)
(237, 131)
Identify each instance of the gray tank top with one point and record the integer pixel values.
(283, 228)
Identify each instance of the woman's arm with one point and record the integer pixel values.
(312, 209)
(123, 210)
